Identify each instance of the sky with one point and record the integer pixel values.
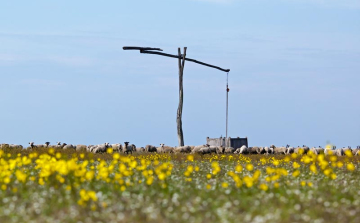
(294, 76)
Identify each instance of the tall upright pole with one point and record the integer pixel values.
(227, 106)
(181, 58)
(181, 97)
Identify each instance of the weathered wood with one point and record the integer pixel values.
(181, 99)
(181, 96)
(181, 58)
(188, 59)
(140, 48)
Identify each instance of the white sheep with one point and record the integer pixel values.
(68, 146)
(32, 145)
(314, 150)
(80, 148)
(182, 149)
(243, 150)
(150, 149)
(197, 148)
(164, 149)
(14, 146)
(116, 147)
(278, 150)
(101, 148)
(289, 149)
(229, 150)
(268, 150)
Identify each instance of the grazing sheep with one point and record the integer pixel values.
(253, 150)
(68, 146)
(150, 149)
(320, 150)
(139, 150)
(101, 148)
(3, 145)
(32, 145)
(208, 150)
(337, 152)
(57, 146)
(182, 149)
(165, 149)
(220, 149)
(80, 148)
(229, 150)
(14, 146)
(128, 148)
(303, 150)
(204, 150)
(91, 148)
(314, 150)
(355, 151)
(289, 149)
(268, 150)
(116, 147)
(278, 150)
(243, 150)
(197, 148)
(347, 149)
(340, 152)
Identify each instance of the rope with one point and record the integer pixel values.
(227, 105)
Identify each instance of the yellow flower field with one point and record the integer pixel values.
(65, 186)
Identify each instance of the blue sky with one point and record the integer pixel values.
(294, 71)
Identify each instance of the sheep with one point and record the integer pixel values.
(68, 146)
(302, 149)
(253, 150)
(354, 151)
(337, 152)
(320, 150)
(278, 150)
(128, 148)
(204, 150)
(289, 149)
(32, 145)
(139, 150)
(165, 149)
(91, 148)
(220, 149)
(57, 146)
(268, 151)
(80, 148)
(116, 147)
(229, 150)
(340, 152)
(314, 150)
(243, 150)
(347, 149)
(150, 148)
(182, 149)
(4, 145)
(197, 148)
(262, 150)
(100, 148)
(14, 146)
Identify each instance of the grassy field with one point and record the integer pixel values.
(65, 186)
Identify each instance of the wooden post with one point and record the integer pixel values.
(181, 97)
(181, 58)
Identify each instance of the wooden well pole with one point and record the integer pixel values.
(181, 58)
(181, 96)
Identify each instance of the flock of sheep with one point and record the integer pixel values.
(201, 149)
